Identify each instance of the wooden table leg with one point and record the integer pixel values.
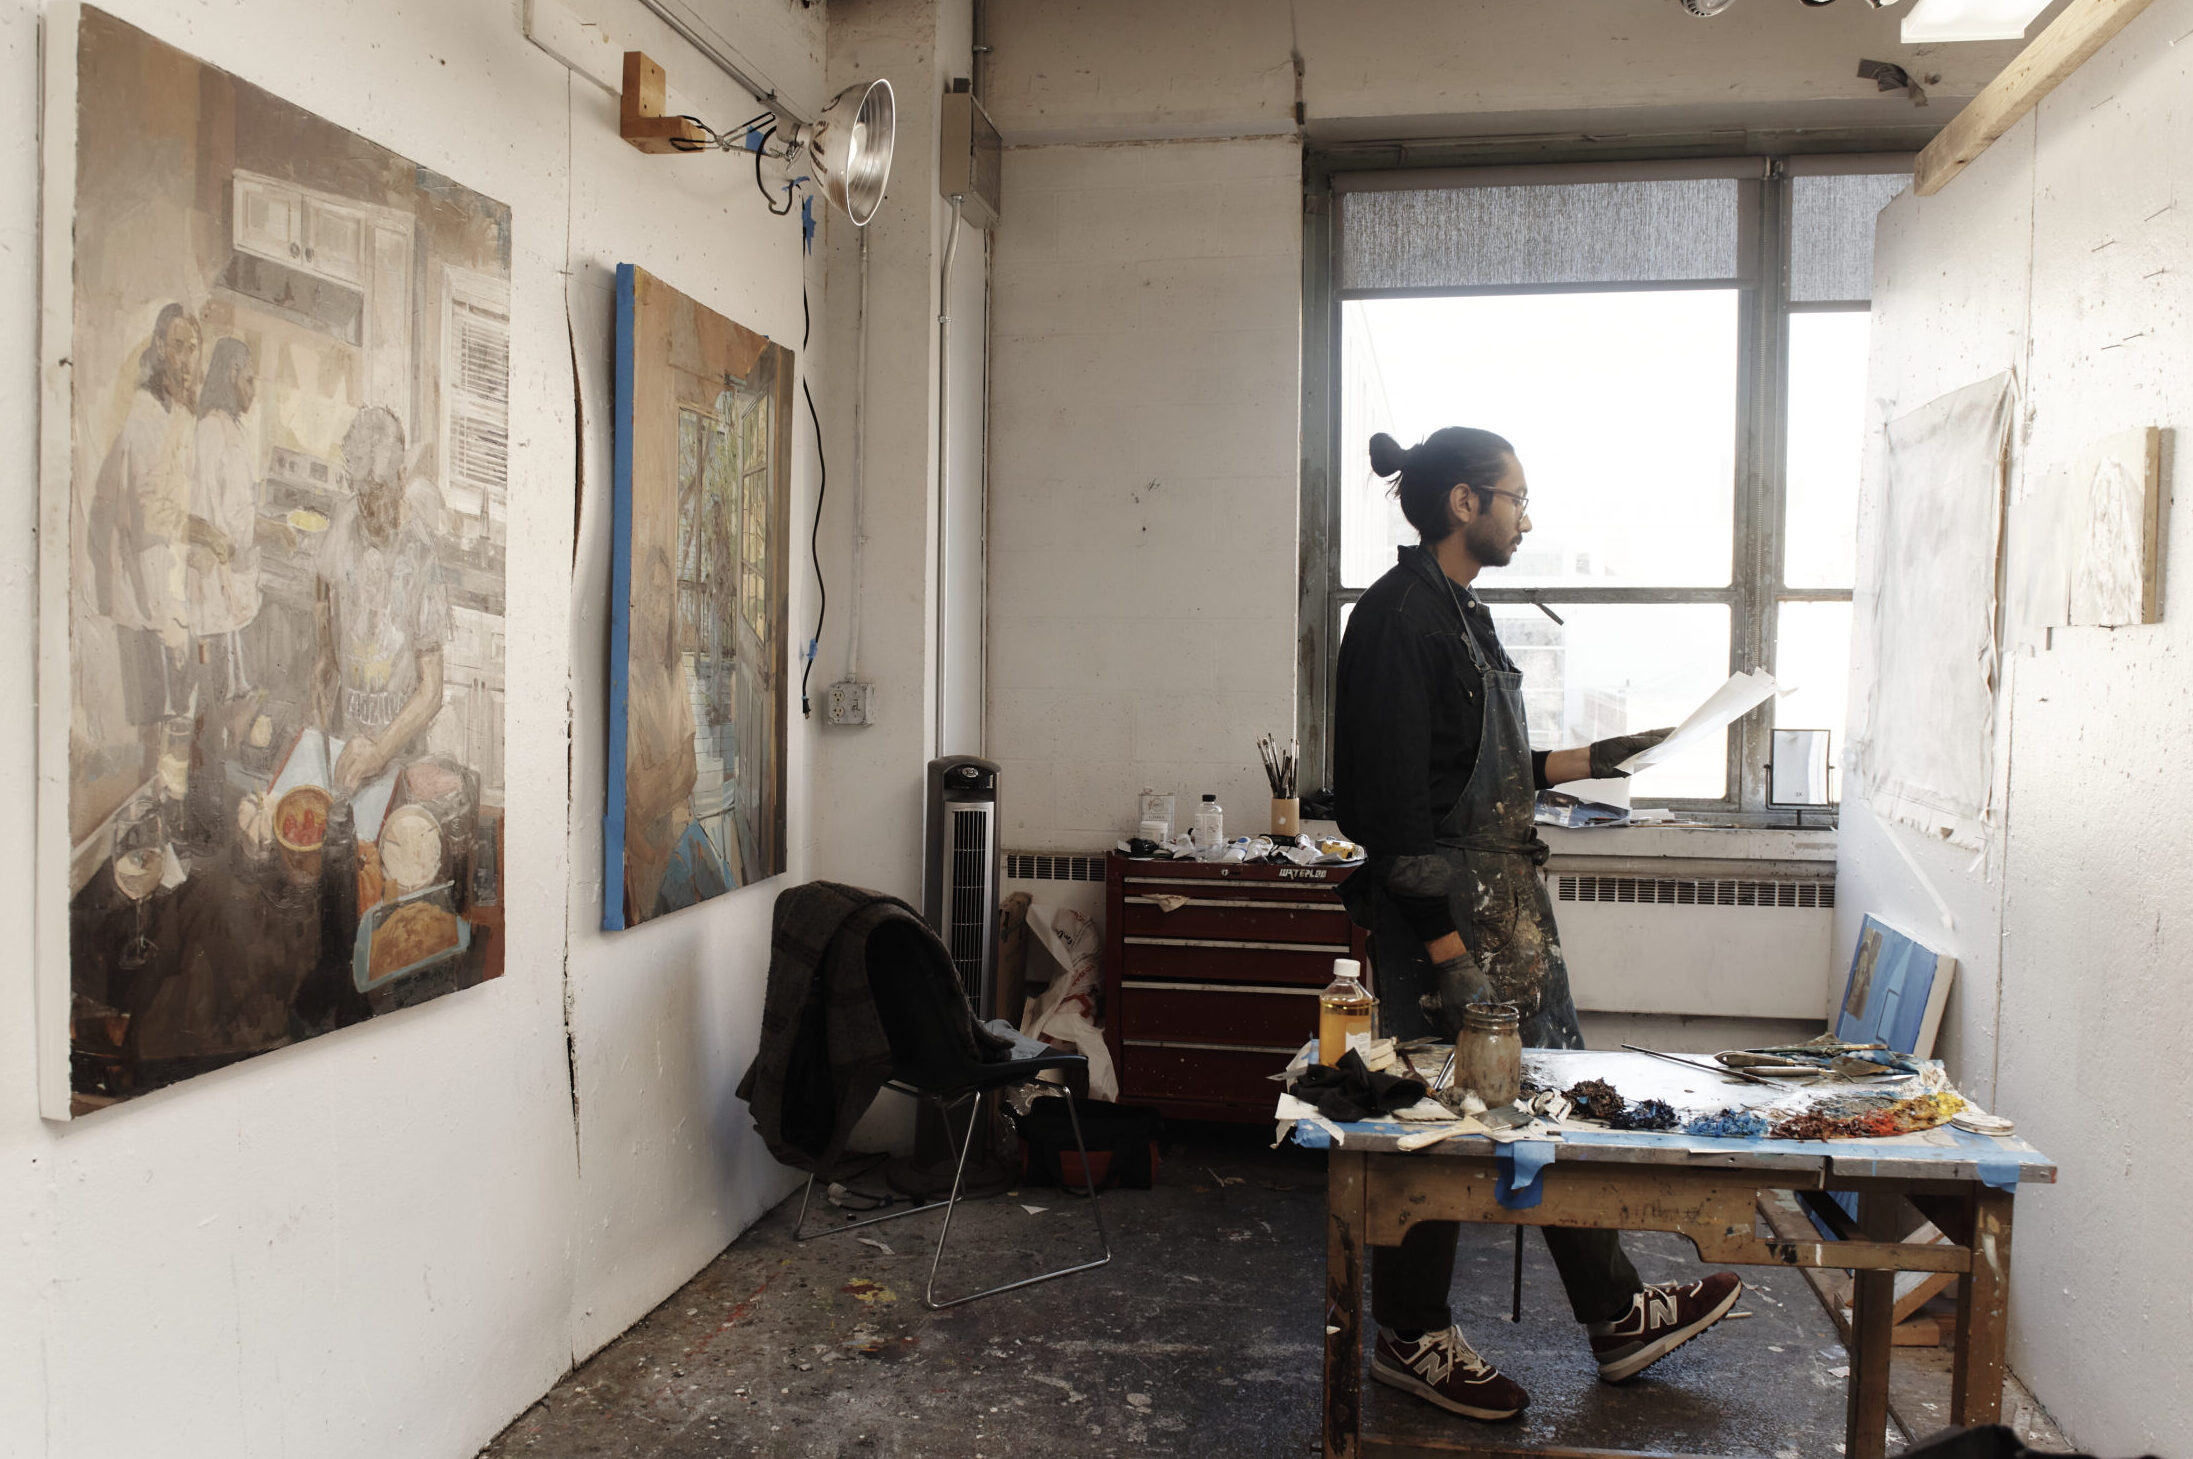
(1344, 1228)
(1872, 1322)
(1983, 1312)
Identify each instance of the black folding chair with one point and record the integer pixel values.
(929, 1056)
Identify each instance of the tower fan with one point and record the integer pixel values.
(960, 874)
(961, 871)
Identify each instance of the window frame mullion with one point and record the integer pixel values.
(1755, 589)
(1762, 412)
(1317, 620)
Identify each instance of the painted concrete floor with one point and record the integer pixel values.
(1203, 1336)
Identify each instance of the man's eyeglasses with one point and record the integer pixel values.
(1522, 499)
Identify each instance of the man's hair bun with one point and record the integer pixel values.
(1388, 456)
(1430, 470)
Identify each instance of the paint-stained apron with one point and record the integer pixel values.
(1498, 898)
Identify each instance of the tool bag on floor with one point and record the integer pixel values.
(1122, 1141)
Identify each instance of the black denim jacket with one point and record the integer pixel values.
(1408, 713)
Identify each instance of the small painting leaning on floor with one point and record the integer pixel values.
(697, 639)
(275, 511)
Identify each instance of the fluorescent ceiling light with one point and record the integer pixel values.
(1969, 20)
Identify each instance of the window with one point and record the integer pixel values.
(475, 394)
(1677, 351)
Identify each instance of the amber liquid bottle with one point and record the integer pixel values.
(1346, 1008)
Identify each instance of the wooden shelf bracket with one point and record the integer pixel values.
(640, 116)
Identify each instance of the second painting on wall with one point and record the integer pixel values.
(697, 651)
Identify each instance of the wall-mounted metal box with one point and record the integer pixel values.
(971, 163)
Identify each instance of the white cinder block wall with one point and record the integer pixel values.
(388, 1241)
(2064, 254)
(1145, 410)
(1143, 480)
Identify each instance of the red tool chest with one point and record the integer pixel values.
(1203, 1003)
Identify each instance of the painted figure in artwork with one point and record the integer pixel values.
(140, 522)
(226, 530)
(383, 614)
(669, 860)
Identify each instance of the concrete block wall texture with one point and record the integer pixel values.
(1113, 70)
(1143, 438)
(868, 809)
(1145, 411)
(389, 1240)
(2079, 239)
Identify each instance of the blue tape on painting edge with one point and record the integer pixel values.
(807, 222)
(1522, 1182)
(620, 605)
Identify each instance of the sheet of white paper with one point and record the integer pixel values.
(1734, 699)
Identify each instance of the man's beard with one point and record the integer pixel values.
(1490, 544)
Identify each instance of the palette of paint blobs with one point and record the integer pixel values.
(1821, 1090)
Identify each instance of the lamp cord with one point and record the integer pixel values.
(767, 200)
(814, 536)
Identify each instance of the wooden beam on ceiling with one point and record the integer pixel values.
(2081, 30)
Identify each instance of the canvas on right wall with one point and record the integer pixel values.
(697, 628)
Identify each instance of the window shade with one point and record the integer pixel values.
(1626, 232)
(1831, 234)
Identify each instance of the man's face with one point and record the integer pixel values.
(179, 363)
(1501, 518)
(247, 388)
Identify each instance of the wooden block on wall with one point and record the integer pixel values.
(640, 110)
(2116, 572)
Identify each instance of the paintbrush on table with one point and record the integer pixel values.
(1704, 1068)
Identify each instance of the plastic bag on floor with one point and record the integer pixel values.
(1065, 1014)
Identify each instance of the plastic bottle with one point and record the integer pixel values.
(1210, 824)
(1346, 1012)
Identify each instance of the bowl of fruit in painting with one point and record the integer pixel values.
(300, 829)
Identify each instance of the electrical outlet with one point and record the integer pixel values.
(852, 702)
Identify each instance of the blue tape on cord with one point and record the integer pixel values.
(1522, 1165)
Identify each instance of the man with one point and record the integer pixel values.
(383, 612)
(1434, 776)
(139, 524)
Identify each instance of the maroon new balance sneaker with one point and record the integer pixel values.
(1440, 1367)
(1661, 1320)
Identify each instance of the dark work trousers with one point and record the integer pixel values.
(1409, 1282)
(1491, 844)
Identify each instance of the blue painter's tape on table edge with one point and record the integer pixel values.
(1998, 1167)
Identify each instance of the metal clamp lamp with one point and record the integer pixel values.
(846, 148)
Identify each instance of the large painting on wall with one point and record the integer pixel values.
(275, 509)
(697, 668)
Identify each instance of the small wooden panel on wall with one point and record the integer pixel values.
(2086, 540)
(2116, 570)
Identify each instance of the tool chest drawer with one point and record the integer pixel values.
(1214, 960)
(1196, 1082)
(1294, 918)
(1223, 1013)
(1211, 978)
